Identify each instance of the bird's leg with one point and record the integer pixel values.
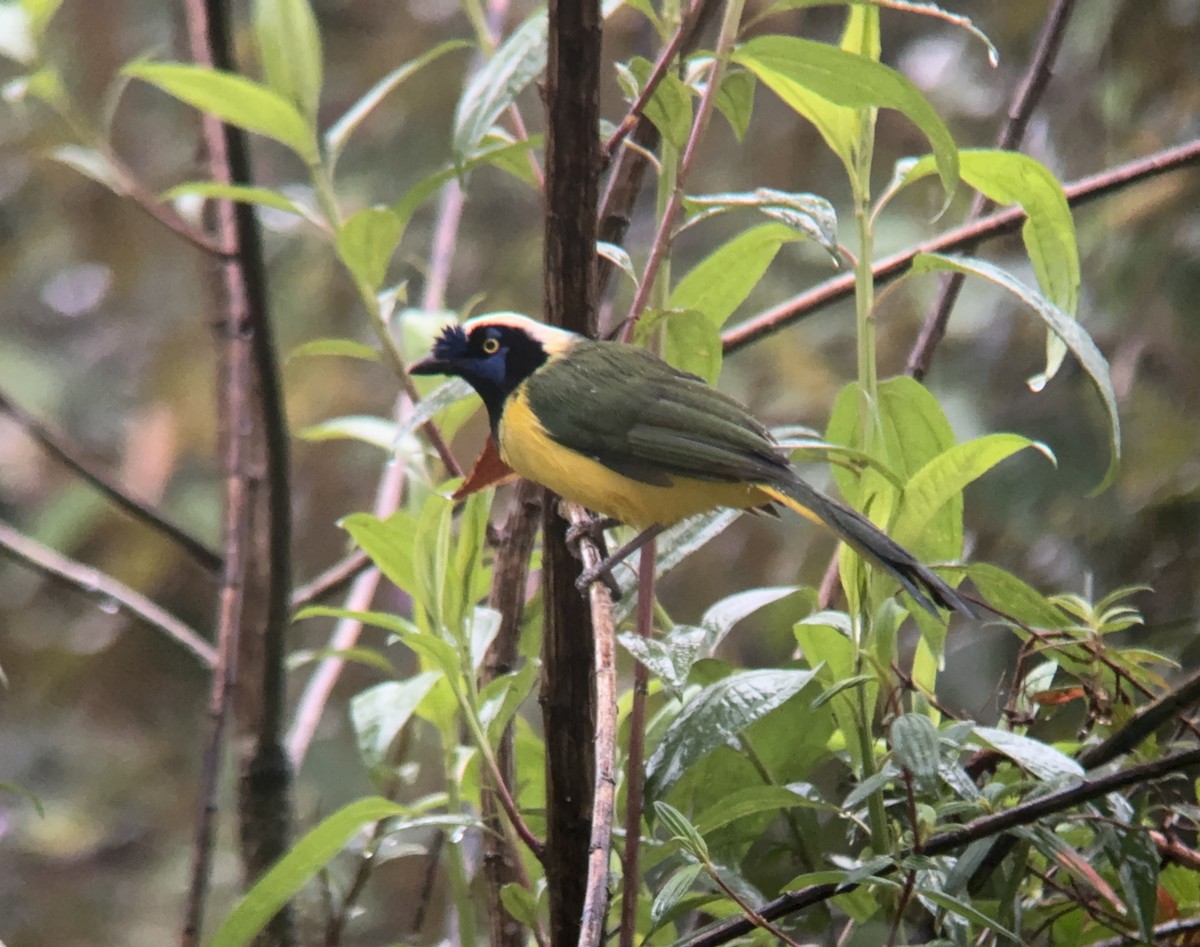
(603, 569)
(593, 529)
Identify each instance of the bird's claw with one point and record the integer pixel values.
(601, 572)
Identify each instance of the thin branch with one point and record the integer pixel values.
(961, 238)
(595, 904)
(73, 457)
(662, 237)
(1163, 934)
(1029, 93)
(332, 580)
(634, 768)
(102, 585)
(1026, 813)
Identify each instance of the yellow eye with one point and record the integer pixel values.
(491, 346)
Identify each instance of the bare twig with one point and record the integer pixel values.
(332, 580)
(961, 238)
(595, 905)
(1026, 813)
(1030, 92)
(102, 585)
(634, 768)
(73, 457)
(1163, 934)
(662, 237)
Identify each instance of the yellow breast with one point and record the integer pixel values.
(529, 450)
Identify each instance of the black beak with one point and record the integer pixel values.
(430, 365)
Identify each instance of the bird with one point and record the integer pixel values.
(614, 428)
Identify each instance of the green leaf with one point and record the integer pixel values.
(716, 714)
(233, 99)
(389, 546)
(669, 659)
(379, 713)
(692, 343)
(753, 801)
(735, 100)
(681, 828)
(378, 432)
(341, 130)
(720, 282)
(520, 903)
(1040, 759)
(366, 243)
(246, 194)
(290, 46)
(1015, 597)
(809, 215)
(1066, 328)
(678, 883)
(808, 75)
(669, 108)
(518, 61)
(40, 12)
(916, 746)
(291, 873)
(501, 698)
(1009, 177)
(943, 478)
(346, 348)
(719, 618)
(965, 909)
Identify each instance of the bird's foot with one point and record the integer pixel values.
(601, 572)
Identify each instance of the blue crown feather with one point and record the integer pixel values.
(452, 343)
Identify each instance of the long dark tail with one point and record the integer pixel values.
(921, 582)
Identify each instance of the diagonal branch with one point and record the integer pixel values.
(60, 447)
(98, 583)
(961, 238)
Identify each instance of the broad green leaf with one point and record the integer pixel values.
(719, 283)
(1062, 325)
(669, 659)
(290, 45)
(807, 75)
(916, 746)
(233, 99)
(346, 348)
(735, 100)
(292, 872)
(674, 888)
(366, 242)
(444, 396)
(503, 696)
(379, 713)
(520, 903)
(1040, 759)
(752, 801)
(1015, 597)
(378, 432)
(807, 214)
(719, 618)
(385, 620)
(965, 909)
(692, 343)
(92, 164)
(669, 108)
(246, 194)
(491, 152)
(716, 714)
(389, 545)
(518, 61)
(367, 657)
(1009, 177)
(341, 130)
(940, 480)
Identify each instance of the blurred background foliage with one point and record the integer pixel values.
(105, 335)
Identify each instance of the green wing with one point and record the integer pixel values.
(635, 414)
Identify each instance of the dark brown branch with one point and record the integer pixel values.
(255, 591)
(569, 256)
(60, 447)
(944, 843)
(1030, 92)
(961, 238)
(100, 584)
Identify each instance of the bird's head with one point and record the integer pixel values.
(494, 354)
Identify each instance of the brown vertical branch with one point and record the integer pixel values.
(1037, 77)
(510, 572)
(568, 702)
(256, 583)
